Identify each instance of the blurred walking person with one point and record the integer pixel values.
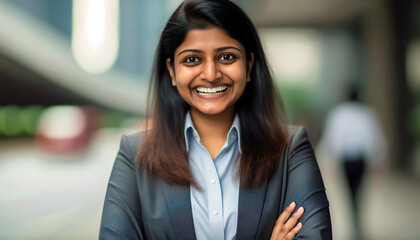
(352, 135)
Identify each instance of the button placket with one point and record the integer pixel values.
(211, 175)
(215, 202)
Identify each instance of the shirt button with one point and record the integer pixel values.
(212, 180)
(214, 212)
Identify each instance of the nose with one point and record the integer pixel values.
(210, 72)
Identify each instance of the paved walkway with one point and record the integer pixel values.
(50, 197)
(390, 205)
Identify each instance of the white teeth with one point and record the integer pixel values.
(210, 91)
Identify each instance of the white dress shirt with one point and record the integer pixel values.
(215, 206)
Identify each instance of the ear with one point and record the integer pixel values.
(171, 71)
(250, 63)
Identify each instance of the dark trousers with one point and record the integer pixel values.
(354, 170)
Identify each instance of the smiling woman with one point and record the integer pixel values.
(219, 161)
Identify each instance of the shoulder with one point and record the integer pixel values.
(131, 142)
(293, 129)
(297, 135)
(298, 150)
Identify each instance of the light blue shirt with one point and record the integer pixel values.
(215, 207)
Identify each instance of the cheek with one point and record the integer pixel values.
(235, 72)
(239, 80)
(183, 89)
(184, 75)
(184, 78)
(238, 75)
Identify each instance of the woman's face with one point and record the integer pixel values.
(210, 70)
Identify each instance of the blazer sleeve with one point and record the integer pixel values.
(121, 216)
(306, 188)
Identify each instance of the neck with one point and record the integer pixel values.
(212, 127)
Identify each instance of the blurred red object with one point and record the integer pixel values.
(66, 129)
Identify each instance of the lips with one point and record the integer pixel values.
(211, 91)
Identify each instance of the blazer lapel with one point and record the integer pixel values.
(179, 206)
(251, 203)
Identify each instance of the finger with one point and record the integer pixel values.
(294, 219)
(294, 231)
(282, 218)
(286, 213)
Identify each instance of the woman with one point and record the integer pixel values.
(218, 162)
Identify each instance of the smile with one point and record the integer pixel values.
(211, 91)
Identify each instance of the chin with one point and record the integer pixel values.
(209, 111)
(212, 110)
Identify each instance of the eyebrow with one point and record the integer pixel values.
(215, 50)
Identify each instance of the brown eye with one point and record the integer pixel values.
(227, 57)
(191, 60)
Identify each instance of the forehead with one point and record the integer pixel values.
(207, 39)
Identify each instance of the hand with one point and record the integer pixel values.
(285, 227)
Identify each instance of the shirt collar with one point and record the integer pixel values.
(233, 134)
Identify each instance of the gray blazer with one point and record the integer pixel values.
(140, 206)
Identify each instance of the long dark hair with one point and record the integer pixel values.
(263, 128)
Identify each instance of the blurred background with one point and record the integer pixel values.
(74, 78)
